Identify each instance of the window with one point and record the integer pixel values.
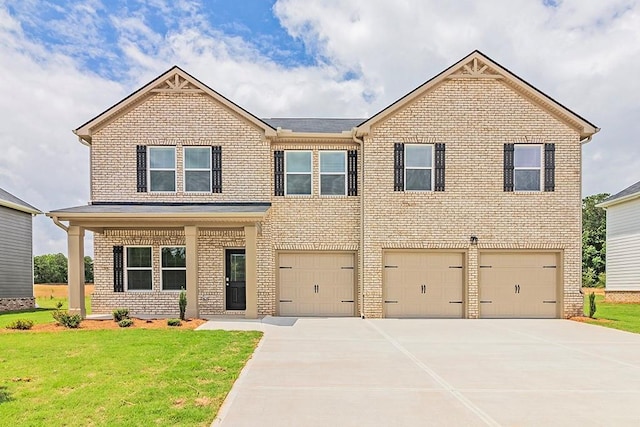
(174, 268)
(297, 166)
(527, 167)
(418, 162)
(162, 168)
(139, 269)
(197, 169)
(333, 173)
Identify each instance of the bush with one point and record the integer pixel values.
(592, 304)
(64, 318)
(21, 324)
(174, 322)
(120, 314)
(182, 303)
(125, 323)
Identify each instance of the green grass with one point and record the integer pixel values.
(44, 314)
(625, 317)
(136, 377)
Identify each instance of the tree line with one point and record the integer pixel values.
(53, 268)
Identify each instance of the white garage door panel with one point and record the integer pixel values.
(518, 284)
(316, 284)
(423, 284)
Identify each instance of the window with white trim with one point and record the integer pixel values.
(333, 173)
(197, 169)
(162, 169)
(297, 167)
(174, 268)
(139, 274)
(418, 167)
(527, 167)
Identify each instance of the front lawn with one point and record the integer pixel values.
(615, 315)
(119, 377)
(43, 314)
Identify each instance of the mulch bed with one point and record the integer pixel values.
(110, 324)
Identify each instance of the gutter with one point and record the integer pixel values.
(57, 222)
(360, 142)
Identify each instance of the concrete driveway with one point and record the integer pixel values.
(388, 372)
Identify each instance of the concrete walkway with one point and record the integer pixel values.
(388, 372)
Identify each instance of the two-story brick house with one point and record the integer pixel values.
(461, 199)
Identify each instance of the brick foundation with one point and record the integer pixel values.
(622, 296)
(14, 304)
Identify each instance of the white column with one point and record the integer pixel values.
(251, 274)
(75, 242)
(191, 243)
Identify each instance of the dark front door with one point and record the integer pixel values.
(235, 279)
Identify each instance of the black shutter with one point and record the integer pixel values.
(439, 178)
(141, 163)
(398, 167)
(216, 169)
(549, 167)
(278, 173)
(352, 172)
(508, 167)
(118, 269)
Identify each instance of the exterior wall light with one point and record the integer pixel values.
(473, 239)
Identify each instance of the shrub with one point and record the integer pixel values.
(592, 304)
(182, 303)
(120, 314)
(21, 324)
(125, 323)
(174, 322)
(64, 318)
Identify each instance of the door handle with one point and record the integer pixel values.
(517, 288)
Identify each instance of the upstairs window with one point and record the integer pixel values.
(297, 166)
(139, 268)
(418, 167)
(162, 169)
(527, 167)
(197, 169)
(333, 173)
(174, 268)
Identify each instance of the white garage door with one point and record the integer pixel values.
(316, 284)
(518, 284)
(423, 284)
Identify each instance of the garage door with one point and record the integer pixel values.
(316, 284)
(518, 285)
(423, 284)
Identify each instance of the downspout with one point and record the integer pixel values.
(57, 222)
(360, 142)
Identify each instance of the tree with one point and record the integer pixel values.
(88, 269)
(594, 237)
(50, 268)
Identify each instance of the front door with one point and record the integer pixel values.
(235, 279)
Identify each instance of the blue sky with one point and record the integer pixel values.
(63, 62)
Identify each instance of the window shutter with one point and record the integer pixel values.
(352, 172)
(398, 167)
(216, 169)
(278, 172)
(141, 163)
(118, 269)
(549, 167)
(508, 167)
(439, 178)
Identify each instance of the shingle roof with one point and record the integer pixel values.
(9, 200)
(165, 208)
(629, 191)
(314, 125)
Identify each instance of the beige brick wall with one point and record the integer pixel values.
(180, 120)
(474, 118)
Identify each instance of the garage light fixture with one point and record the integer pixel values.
(473, 239)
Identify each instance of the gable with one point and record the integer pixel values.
(479, 68)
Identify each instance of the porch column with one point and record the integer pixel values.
(251, 274)
(191, 243)
(75, 277)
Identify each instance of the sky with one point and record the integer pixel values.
(65, 61)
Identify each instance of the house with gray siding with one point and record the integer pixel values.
(623, 245)
(16, 256)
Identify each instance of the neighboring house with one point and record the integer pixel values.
(623, 245)
(461, 199)
(16, 256)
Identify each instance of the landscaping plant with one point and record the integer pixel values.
(174, 322)
(125, 323)
(592, 304)
(66, 319)
(182, 303)
(120, 314)
(21, 324)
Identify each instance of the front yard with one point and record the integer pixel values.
(625, 317)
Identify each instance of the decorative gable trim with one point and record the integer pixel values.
(475, 69)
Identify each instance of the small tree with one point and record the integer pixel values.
(592, 304)
(182, 303)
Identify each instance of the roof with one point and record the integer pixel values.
(164, 209)
(10, 201)
(173, 80)
(313, 125)
(631, 192)
(478, 65)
